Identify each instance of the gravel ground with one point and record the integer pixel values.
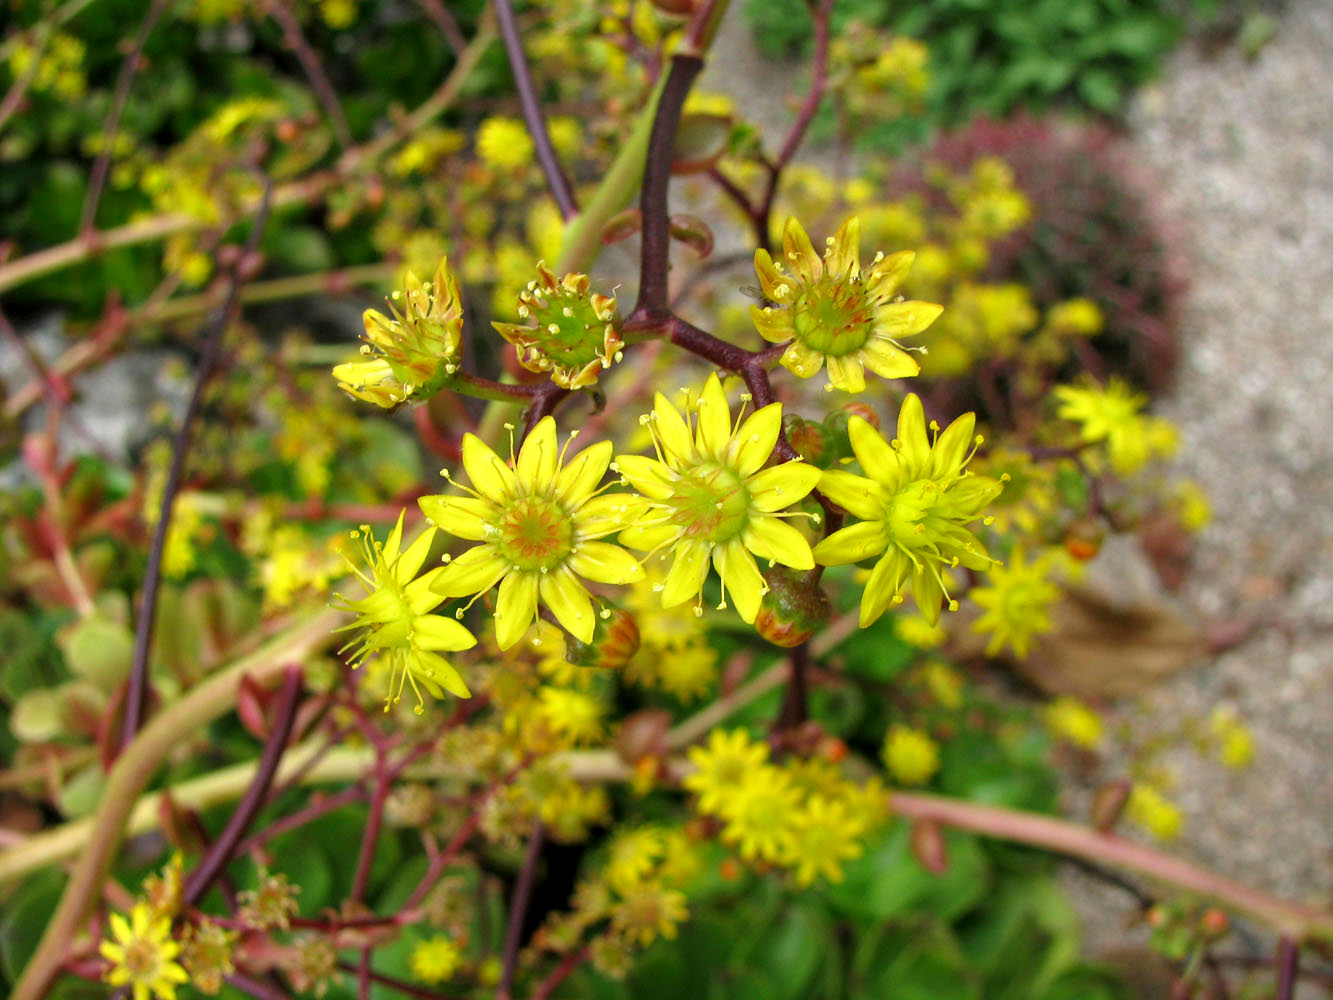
(1245, 154)
(1243, 151)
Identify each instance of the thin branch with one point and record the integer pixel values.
(446, 22)
(14, 96)
(655, 254)
(220, 853)
(260, 989)
(407, 989)
(102, 165)
(561, 972)
(281, 12)
(1288, 968)
(137, 693)
(518, 909)
(533, 114)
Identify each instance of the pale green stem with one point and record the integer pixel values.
(131, 774)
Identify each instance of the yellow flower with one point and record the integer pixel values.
(911, 756)
(758, 816)
(916, 631)
(1017, 602)
(825, 834)
(833, 313)
(435, 959)
(722, 766)
(575, 715)
(1235, 743)
(1081, 317)
(1071, 720)
(634, 856)
(504, 143)
(394, 618)
(1150, 809)
(914, 509)
(649, 911)
(539, 520)
(1111, 415)
(566, 330)
(413, 353)
(707, 494)
(143, 955)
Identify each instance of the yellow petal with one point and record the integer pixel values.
(755, 440)
(649, 536)
(462, 517)
(605, 515)
(474, 572)
(859, 496)
(444, 675)
(515, 608)
(647, 475)
(774, 325)
(928, 593)
(538, 458)
(878, 460)
(851, 544)
(905, 319)
(741, 578)
(491, 477)
(569, 602)
(847, 373)
(881, 588)
(887, 360)
(844, 256)
(583, 473)
(780, 486)
(686, 577)
(714, 420)
(672, 431)
(391, 545)
(409, 563)
(771, 279)
(946, 458)
(884, 278)
(801, 361)
(774, 539)
(435, 632)
(914, 446)
(603, 562)
(799, 253)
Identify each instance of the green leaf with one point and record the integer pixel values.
(1100, 89)
(912, 960)
(99, 650)
(24, 918)
(888, 881)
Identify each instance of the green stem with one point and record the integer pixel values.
(131, 774)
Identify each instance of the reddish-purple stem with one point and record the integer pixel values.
(281, 12)
(137, 692)
(533, 114)
(222, 849)
(518, 909)
(102, 165)
(1288, 967)
(260, 989)
(407, 989)
(560, 973)
(301, 817)
(446, 22)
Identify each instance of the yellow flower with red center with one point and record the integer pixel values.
(143, 955)
(539, 520)
(708, 496)
(833, 313)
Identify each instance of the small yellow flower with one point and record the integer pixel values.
(759, 815)
(575, 715)
(634, 855)
(143, 955)
(1111, 414)
(708, 495)
(1081, 317)
(1235, 743)
(722, 766)
(649, 911)
(826, 833)
(916, 631)
(504, 143)
(914, 509)
(567, 330)
(1071, 720)
(1017, 600)
(911, 756)
(413, 353)
(435, 960)
(1150, 809)
(539, 520)
(394, 618)
(834, 314)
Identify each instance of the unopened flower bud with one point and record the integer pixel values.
(1214, 922)
(929, 847)
(793, 609)
(812, 441)
(614, 641)
(1083, 539)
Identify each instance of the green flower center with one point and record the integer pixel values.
(834, 316)
(713, 503)
(535, 533)
(569, 332)
(906, 513)
(141, 960)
